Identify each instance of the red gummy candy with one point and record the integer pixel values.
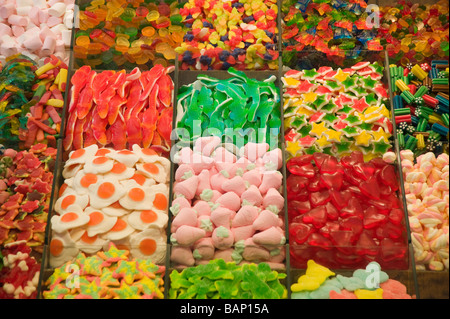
(300, 232)
(370, 188)
(319, 198)
(332, 180)
(372, 218)
(353, 208)
(316, 216)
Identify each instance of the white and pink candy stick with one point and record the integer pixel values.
(228, 204)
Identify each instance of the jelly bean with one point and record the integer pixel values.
(346, 188)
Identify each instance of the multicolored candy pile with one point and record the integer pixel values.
(119, 109)
(238, 33)
(337, 111)
(413, 32)
(226, 280)
(329, 27)
(26, 180)
(122, 34)
(31, 101)
(421, 106)
(317, 283)
(111, 274)
(345, 213)
(19, 271)
(237, 108)
(111, 196)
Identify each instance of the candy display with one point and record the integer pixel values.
(123, 34)
(26, 179)
(112, 274)
(415, 32)
(228, 205)
(421, 106)
(320, 282)
(111, 196)
(19, 276)
(238, 33)
(345, 213)
(238, 109)
(426, 192)
(36, 29)
(340, 29)
(31, 101)
(337, 111)
(226, 280)
(119, 109)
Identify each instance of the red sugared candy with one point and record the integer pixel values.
(345, 213)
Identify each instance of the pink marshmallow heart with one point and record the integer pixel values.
(253, 151)
(270, 237)
(252, 196)
(274, 156)
(187, 187)
(235, 184)
(203, 181)
(186, 216)
(222, 238)
(183, 170)
(188, 235)
(217, 181)
(273, 197)
(205, 248)
(206, 145)
(270, 180)
(254, 177)
(265, 220)
(204, 222)
(230, 200)
(202, 208)
(222, 216)
(245, 216)
(254, 252)
(225, 254)
(222, 155)
(182, 255)
(243, 232)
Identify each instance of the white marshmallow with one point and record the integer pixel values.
(46, 32)
(33, 43)
(48, 46)
(24, 3)
(24, 11)
(41, 4)
(57, 10)
(18, 20)
(66, 36)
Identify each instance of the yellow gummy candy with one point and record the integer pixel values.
(306, 283)
(369, 294)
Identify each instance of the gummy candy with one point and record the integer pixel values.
(127, 278)
(336, 111)
(219, 106)
(345, 224)
(226, 280)
(242, 34)
(126, 34)
(31, 101)
(101, 109)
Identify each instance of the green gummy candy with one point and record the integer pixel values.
(301, 295)
(350, 283)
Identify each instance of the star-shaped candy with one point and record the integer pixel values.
(309, 97)
(349, 82)
(149, 287)
(93, 290)
(369, 83)
(380, 134)
(304, 131)
(381, 146)
(316, 117)
(114, 254)
(359, 91)
(341, 76)
(92, 266)
(126, 291)
(306, 141)
(343, 146)
(298, 122)
(330, 119)
(353, 119)
(318, 129)
(363, 139)
(290, 82)
(128, 270)
(293, 148)
(333, 136)
(305, 87)
(361, 105)
(350, 131)
(310, 74)
(323, 142)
